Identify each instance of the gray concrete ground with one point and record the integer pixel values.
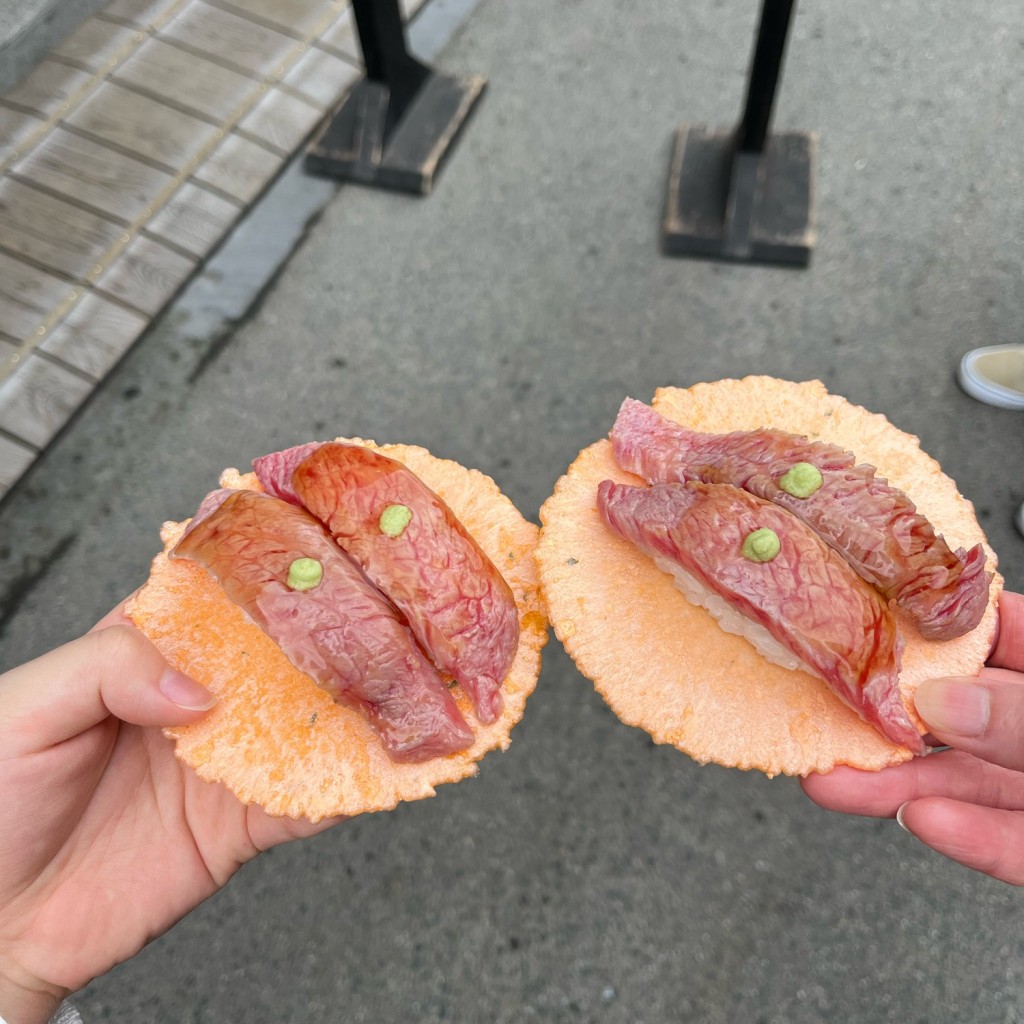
(587, 875)
(28, 28)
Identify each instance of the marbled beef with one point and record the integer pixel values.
(455, 600)
(806, 597)
(874, 526)
(342, 633)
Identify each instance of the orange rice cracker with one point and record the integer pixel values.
(665, 665)
(275, 738)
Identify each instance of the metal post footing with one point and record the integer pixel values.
(725, 204)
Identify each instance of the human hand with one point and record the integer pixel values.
(966, 802)
(106, 839)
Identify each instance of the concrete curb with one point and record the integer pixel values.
(28, 28)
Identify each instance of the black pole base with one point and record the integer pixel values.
(353, 145)
(748, 207)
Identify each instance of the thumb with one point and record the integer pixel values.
(113, 671)
(983, 715)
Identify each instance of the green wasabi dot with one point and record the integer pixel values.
(394, 519)
(305, 574)
(761, 545)
(801, 480)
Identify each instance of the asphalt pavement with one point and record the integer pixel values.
(586, 874)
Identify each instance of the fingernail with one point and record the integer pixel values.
(954, 706)
(184, 691)
(899, 817)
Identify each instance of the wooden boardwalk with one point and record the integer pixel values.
(125, 157)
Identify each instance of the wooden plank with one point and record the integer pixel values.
(19, 318)
(49, 85)
(27, 294)
(39, 398)
(341, 38)
(350, 146)
(228, 38)
(207, 88)
(322, 78)
(141, 125)
(94, 335)
(50, 231)
(94, 43)
(92, 173)
(146, 275)
(15, 129)
(281, 120)
(14, 461)
(194, 219)
(139, 12)
(410, 8)
(239, 168)
(295, 17)
(428, 128)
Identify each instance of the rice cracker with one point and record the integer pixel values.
(274, 737)
(665, 666)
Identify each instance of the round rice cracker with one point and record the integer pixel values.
(665, 665)
(275, 738)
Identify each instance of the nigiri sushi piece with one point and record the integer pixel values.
(876, 527)
(286, 573)
(415, 550)
(755, 558)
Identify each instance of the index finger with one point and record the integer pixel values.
(116, 616)
(1008, 651)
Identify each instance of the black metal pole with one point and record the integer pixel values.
(386, 55)
(397, 126)
(765, 72)
(744, 192)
